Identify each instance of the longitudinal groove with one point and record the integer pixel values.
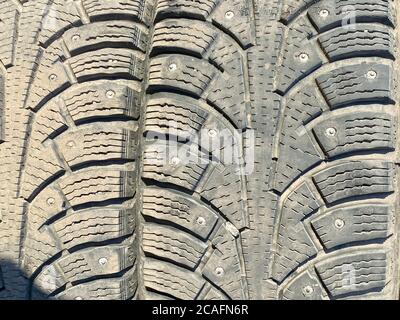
(220, 27)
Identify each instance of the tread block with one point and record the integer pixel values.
(294, 245)
(353, 84)
(356, 178)
(381, 11)
(354, 273)
(169, 113)
(294, 248)
(297, 154)
(178, 209)
(180, 72)
(299, 204)
(47, 281)
(296, 149)
(40, 247)
(99, 100)
(111, 9)
(236, 24)
(352, 224)
(168, 243)
(94, 143)
(118, 34)
(300, 56)
(108, 62)
(94, 225)
(83, 265)
(364, 40)
(122, 288)
(302, 106)
(233, 17)
(167, 278)
(9, 17)
(223, 189)
(174, 163)
(223, 267)
(356, 131)
(98, 261)
(96, 185)
(229, 96)
(42, 167)
(50, 78)
(187, 119)
(181, 34)
(305, 286)
(48, 123)
(61, 16)
(51, 202)
(178, 8)
(48, 203)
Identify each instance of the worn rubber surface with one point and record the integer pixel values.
(90, 91)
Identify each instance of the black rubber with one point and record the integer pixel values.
(97, 95)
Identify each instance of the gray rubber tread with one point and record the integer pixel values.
(337, 206)
(79, 112)
(317, 79)
(94, 205)
(198, 234)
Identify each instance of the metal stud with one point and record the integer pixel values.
(371, 74)
(324, 13)
(172, 67)
(304, 57)
(339, 223)
(175, 161)
(212, 133)
(110, 94)
(331, 132)
(201, 221)
(308, 290)
(71, 144)
(229, 15)
(219, 271)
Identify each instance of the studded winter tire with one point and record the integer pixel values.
(199, 149)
